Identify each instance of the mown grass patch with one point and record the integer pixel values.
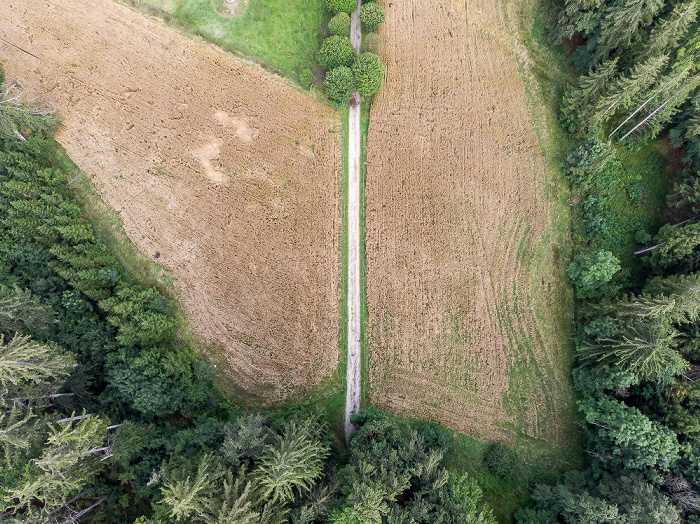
(281, 35)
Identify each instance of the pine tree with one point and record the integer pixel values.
(626, 88)
(73, 455)
(669, 31)
(623, 436)
(674, 244)
(187, 498)
(236, 502)
(623, 18)
(294, 461)
(580, 99)
(26, 363)
(659, 117)
(19, 311)
(646, 349)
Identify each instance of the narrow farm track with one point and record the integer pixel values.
(352, 399)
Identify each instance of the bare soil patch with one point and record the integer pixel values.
(230, 176)
(465, 294)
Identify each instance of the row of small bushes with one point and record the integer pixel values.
(346, 71)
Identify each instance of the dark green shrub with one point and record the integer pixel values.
(369, 73)
(340, 24)
(306, 78)
(502, 461)
(591, 274)
(636, 193)
(371, 43)
(336, 51)
(340, 84)
(594, 219)
(643, 237)
(371, 15)
(342, 6)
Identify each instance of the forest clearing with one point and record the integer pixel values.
(466, 295)
(222, 174)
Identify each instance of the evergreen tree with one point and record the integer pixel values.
(623, 436)
(580, 99)
(19, 311)
(669, 31)
(674, 246)
(620, 94)
(293, 461)
(646, 349)
(623, 18)
(25, 363)
(73, 455)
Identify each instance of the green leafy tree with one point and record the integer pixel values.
(336, 51)
(340, 84)
(369, 74)
(371, 43)
(340, 24)
(371, 15)
(306, 78)
(342, 6)
(591, 273)
(246, 438)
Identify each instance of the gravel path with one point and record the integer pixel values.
(352, 399)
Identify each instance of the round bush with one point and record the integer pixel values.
(591, 273)
(502, 461)
(336, 51)
(342, 6)
(340, 84)
(340, 24)
(306, 78)
(371, 15)
(369, 73)
(371, 43)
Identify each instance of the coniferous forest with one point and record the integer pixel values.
(633, 117)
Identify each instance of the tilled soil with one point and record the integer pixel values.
(223, 175)
(464, 292)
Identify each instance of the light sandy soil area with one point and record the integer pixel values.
(464, 286)
(221, 174)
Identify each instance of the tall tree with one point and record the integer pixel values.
(623, 436)
(669, 31)
(19, 311)
(293, 461)
(25, 363)
(73, 455)
(623, 18)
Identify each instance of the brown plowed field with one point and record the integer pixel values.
(223, 175)
(467, 308)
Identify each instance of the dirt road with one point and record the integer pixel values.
(352, 399)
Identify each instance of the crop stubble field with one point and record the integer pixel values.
(467, 307)
(221, 174)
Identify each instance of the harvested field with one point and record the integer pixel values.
(468, 312)
(223, 175)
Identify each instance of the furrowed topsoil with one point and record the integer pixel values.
(221, 174)
(465, 292)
